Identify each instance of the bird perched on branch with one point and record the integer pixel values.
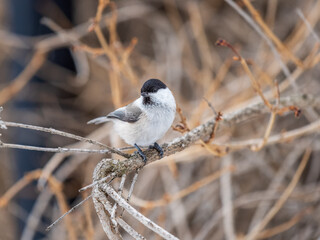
(143, 122)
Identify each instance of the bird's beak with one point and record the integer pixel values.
(144, 94)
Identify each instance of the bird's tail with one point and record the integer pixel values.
(99, 120)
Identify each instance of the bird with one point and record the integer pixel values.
(146, 120)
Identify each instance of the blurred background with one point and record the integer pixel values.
(55, 74)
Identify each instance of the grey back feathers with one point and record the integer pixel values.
(130, 113)
(98, 120)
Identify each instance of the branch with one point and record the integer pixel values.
(23, 78)
(275, 209)
(55, 150)
(106, 188)
(226, 199)
(202, 132)
(5, 124)
(103, 206)
(275, 52)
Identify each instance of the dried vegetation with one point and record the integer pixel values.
(244, 162)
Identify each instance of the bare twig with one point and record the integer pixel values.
(285, 69)
(167, 199)
(68, 212)
(306, 22)
(104, 218)
(267, 132)
(4, 200)
(23, 78)
(114, 208)
(101, 199)
(135, 214)
(276, 182)
(63, 134)
(97, 182)
(284, 226)
(271, 35)
(274, 210)
(202, 132)
(255, 84)
(55, 150)
(133, 183)
(89, 231)
(226, 199)
(277, 138)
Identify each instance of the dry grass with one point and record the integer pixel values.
(270, 186)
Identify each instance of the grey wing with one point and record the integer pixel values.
(129, 113)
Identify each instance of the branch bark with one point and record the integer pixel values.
(202, 132)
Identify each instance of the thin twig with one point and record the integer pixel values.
(63, 134)
(255, 84)
(89, 230)
(97, 182)
(274, 210)
(134, 180)
(135, 214)
(18, 186)
(226, 199)
(55, 150)
(284, 226)
(306, 22)
(202, 132)
(23, 78)
(271, 35)
(167, 199)
(276, 182)
(67, 213)
(285, 69)
(56, 187)
(278, 138)
(102, 199)
(114, 208)
(103, 217)
(267, 132)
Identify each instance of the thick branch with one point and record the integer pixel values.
(102, 204)
(106, 188)
(202, 132)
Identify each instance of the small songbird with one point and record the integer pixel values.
(147, 119)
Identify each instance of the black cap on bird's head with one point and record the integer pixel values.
(152, 86)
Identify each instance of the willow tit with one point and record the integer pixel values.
(147, 119)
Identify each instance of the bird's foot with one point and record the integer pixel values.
(144, 158)
(157, 147)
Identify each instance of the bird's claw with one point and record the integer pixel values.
(142, 155)
(157, 147)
